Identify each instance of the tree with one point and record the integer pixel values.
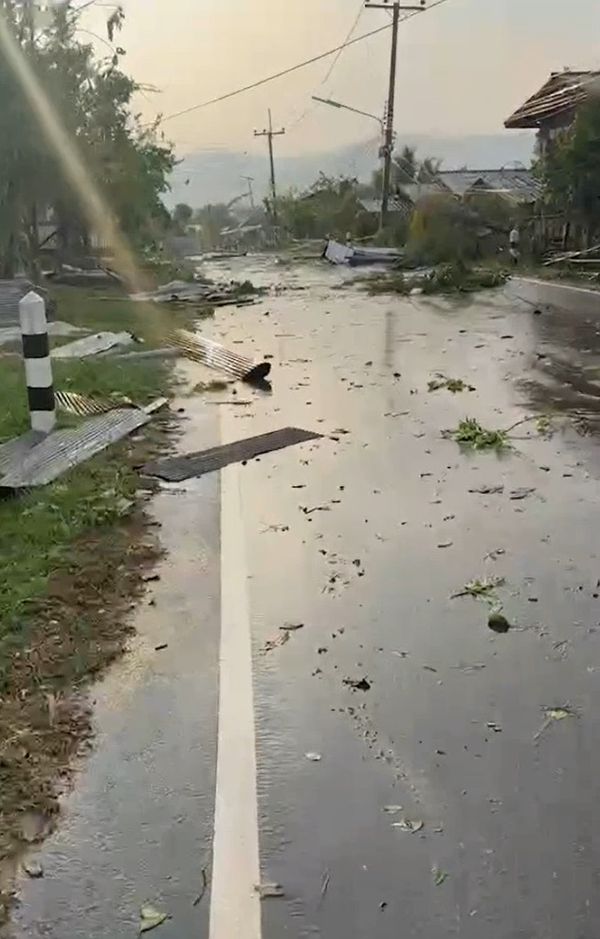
(213, 219)
(182, 214)
(92, 99)
(405, 166)
(570, 171)
(330, 206)
(428, 169)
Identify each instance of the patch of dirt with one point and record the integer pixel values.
(73, 634)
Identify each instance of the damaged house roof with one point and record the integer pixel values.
(559, 97)
(517, 184)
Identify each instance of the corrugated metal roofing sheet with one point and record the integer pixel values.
(176, 469)
(93, 345)
(11, 291)
(561, 94)
(27, 463)
(416, 191)
(214, 355)
(517, 183)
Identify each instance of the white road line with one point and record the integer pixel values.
(235, 905)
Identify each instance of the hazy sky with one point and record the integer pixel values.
(462, 68)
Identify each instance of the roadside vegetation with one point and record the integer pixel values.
(73, 556)
(73, 553)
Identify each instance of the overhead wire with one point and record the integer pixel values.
(276, 75)
(293, 68)
(312, 105)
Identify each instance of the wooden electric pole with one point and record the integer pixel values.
(388, 143)
(269, 134)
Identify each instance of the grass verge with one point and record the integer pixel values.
(72, 554)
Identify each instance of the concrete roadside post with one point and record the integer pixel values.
(38, 369)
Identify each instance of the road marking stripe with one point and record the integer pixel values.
(235, 905)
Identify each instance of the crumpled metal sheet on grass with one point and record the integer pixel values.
(35, 462)
(93, 345)
(176, 469)
(214, 355)
(85, 406)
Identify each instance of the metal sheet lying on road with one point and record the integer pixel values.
(216, 356)
(176, 469)
(41, 463)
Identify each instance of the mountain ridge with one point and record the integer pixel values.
(216, 175)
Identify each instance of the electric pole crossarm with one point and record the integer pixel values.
(387, 6)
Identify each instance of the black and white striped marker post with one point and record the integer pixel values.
(38, 370)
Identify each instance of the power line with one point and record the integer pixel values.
(270, 78)
(339, 53)
(292, 68)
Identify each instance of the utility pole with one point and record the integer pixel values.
(250, 180)
(388, 144)
(269, 134)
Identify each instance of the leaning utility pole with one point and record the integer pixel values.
(388, 143)
(270, 133)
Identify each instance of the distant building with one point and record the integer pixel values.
(553, 108)
(517, 185)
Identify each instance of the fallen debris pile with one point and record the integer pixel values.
(202, 292)
(445, 278)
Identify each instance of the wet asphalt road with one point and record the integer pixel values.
(363, 537)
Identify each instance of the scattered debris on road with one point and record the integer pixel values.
(357, 684)
(150, 918)
(498, 623)
(392, 809)
(203, 887)
(454, 385)
(439, 876)
(408, 825)
(325, 880)
(472, 434)
(479, 588)
(33, 868)
(554, 714)
(487, 490)
(270, 891)
(517, 494)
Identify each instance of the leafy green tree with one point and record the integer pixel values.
(213, 219)
(570, 170)
(93, 101)
(428, 169)
(182, 215)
